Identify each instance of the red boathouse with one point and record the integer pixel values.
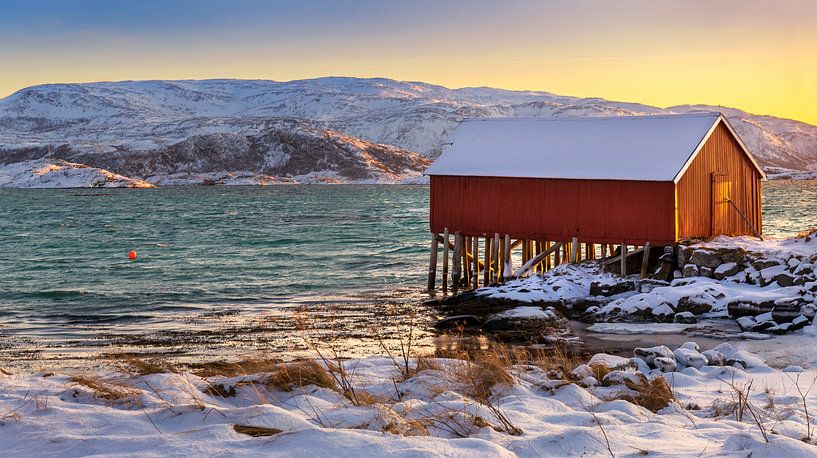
(635, 180)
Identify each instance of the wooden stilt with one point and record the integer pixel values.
(574, 250)
(528, 266)
(589, 251)
(557, 255)
(645, 260)
(507, 267)
(475, 259)
(456, 272)
(495, 258)
(432, 263)
(623, 259)
(547, 259)
(466, 266)
(445, 260)
(486, 273)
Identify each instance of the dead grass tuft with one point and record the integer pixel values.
(145, 366)
(653, 395)
(288, 376)
(108, 390)
(425, 363)
(234, 368)
(482, 374)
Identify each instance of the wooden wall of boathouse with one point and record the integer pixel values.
(721, 169)
(598, 211)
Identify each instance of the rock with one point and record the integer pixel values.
(741, 308)
(522, 317)
(784, 279)
(665, 364)
(804, 269)
(780, 328)
(690, 346)
(761, 264)
(690, 358)
(649, 354)
(690, 304)
(457, 321)
(648, 284)
(714, 357)
(705, 258)
(763, 326)
(582, 372)
(663, 313)
(706, 271)
(607, 289)
(738, 358)
(764, 317)
(787, 309)
(619, 377)
(746, 323)
(793, 369)
(690, 270)
(609, 361)
(588, 382)
(685, 318)
(799, 323)
(726, 270)
(640, 365)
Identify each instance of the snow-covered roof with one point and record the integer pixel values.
(644, 148)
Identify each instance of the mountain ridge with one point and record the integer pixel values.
(101, 124)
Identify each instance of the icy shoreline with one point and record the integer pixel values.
(720, 402)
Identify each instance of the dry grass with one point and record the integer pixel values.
(144, 366)
(108, 390)
(425, 363)
(653, 395)
(288, 376)
(482, 374)
(5, 372)
(808, 233)
(235, 368)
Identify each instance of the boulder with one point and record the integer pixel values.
(690, 358)
(611, 289)
(649, 354)
(726, 270)
(690, 270)
(690, 346)
(714, 357)
(582, 372)
(706, 271)
(741, 308)
(784, 279)
(799, 323)
(619, 377)
(684, 318)
(746, 323)
(665, 364)
(705, 258)
(694, 305)
(609, 361)
(457, 321)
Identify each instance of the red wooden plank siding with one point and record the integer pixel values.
(600, 211)
(720, 154)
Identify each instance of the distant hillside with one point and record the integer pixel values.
(327, 129)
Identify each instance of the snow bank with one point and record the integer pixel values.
(427, 414)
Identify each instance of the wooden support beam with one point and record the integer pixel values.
(507, 267)
(589, 251)
(645, 260)
(476, 263)
(535, 261)
(623, 259)
(451, 246)
(456, 273)
(617, 258)
(547, 258)
(486, 274)
(466, 268)
(445, 259)
(432, 263)
(495, 258)
(574, 250)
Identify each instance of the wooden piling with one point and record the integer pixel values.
(486, 264)
(432, 263)
(574, 250)
(457, 261)
(475, 259)
(623, 259)
(445, 260)
(645, 260)
(507, 267)
(466, 266)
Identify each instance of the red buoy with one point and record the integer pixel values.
(132, 255)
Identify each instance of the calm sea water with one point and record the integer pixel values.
(227, 270)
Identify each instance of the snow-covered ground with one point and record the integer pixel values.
(45, 173)
(719, 402)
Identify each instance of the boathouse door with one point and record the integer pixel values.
(721, 195)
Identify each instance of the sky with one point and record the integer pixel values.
(757, 55)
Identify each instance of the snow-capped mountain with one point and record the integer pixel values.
(337, 129)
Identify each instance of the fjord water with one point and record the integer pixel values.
(223, 270)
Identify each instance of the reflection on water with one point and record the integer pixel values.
(227, 271)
